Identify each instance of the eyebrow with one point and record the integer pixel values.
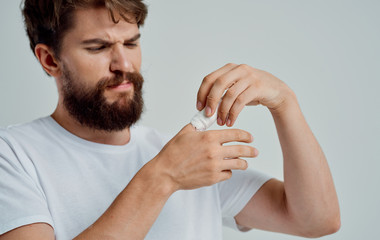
(105, 42)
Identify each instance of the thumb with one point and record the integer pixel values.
(187, 128)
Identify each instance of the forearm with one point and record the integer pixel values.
(134, 211)
(176, 167)
(309, 188)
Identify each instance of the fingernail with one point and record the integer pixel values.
(229, 122)
(220, 122)
(208, 112)
(199, 106)
(256, 152)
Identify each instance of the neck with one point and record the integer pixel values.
(63, 118)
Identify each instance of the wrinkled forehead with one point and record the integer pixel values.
(98, 22)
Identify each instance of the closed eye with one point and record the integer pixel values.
(97, 48)
(131, 44)
(98, 44)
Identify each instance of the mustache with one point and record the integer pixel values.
(133, 77)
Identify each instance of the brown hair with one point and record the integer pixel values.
(46, 21)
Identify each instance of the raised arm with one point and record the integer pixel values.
(305, 203)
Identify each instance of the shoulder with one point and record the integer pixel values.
(16, 139)
(29, 130)
(14, 159)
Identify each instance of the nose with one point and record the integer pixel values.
(120, 61)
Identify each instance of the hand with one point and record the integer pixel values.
(195, 159)
(245, 85)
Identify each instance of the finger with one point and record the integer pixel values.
(208, 82)
(229, 98)
(217, 90)
(225, 175)
(241, 101)
(237, 151)
(231, 135)
(235, 164)
(187, 128)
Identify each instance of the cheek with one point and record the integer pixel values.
(91, 69)
(137, 60)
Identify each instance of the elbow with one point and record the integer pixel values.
(325, 227)
(332, 228)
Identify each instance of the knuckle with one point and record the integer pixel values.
(228, 174)
(220, 82)
(245, 67)
(242, 151)
(231, 93)
(238, 134)
(211, 98)
(230, 64)
(241, 134)
(212, 154)
(207, 79)
(223, 110)
(247, 136)
(241, 164)
(239, 100)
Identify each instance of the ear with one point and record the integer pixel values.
(48, 61)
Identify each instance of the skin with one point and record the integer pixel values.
(305, 204)
(298, 205)
(94, 49)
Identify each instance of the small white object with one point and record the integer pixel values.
(201, 122)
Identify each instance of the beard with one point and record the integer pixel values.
(89, 106)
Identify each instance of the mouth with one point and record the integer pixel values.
(125, 85)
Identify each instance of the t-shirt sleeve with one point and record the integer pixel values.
(22, 200)
(237, 191)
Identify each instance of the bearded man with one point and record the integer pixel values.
(89, 172)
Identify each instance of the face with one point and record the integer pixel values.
(100, 63)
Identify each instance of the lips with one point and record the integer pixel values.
(124, 84)
(123, 87)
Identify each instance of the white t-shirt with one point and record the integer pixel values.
(49, 175)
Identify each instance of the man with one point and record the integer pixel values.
(87, 172)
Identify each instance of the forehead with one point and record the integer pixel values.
(97, 22)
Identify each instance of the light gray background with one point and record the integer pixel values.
(326, 51)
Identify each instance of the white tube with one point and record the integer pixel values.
(201, 122)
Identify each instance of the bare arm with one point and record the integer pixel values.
(134, 211)
(34, 231)
(305, 203)
(129, 217)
